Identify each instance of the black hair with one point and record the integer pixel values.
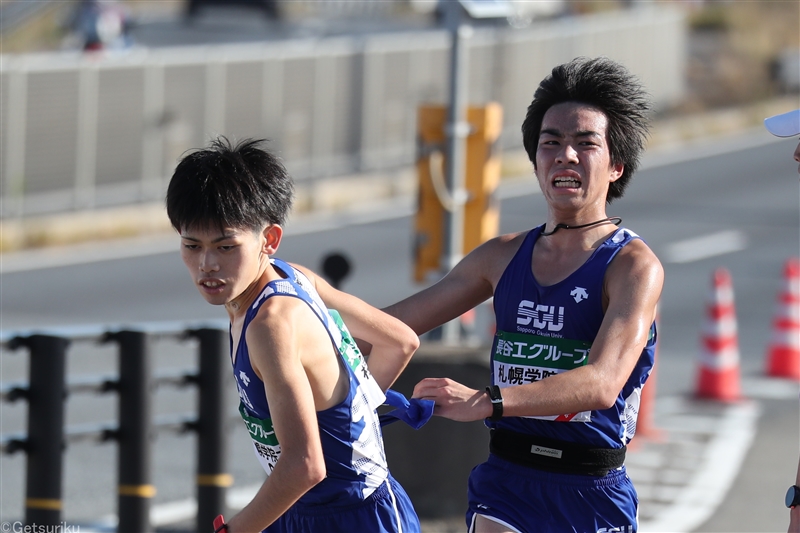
(241, 186)
(608, 86)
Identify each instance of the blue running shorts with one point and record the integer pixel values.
(387, 510)
(533, 501)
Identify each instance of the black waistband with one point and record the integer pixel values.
(553, 455)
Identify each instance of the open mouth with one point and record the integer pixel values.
(566, 183)
(211, 284)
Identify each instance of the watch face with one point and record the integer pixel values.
(792, 496)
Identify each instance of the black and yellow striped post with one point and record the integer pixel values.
(45, 442)
(135, 490)
(212, 478)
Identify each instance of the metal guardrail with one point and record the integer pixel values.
(13, 391)
(47, 436)
(80, 131)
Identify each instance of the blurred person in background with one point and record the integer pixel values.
(788, 125)
(307, 395)
(575, 306)
(101, 25)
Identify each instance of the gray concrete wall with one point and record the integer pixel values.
(83, 131)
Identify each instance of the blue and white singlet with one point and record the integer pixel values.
(543, 331)
(350, 431)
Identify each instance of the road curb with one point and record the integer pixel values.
(340, 194)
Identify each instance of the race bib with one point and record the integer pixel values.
(357, 363)
(265, 443)
(519, 358)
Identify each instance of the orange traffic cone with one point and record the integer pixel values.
(783, 357)
(719, 360)
(646, 430)
(645, 427)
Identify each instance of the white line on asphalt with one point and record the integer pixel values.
(723, 455)
(770, 388)
(175, 512)
(713, 475)
(703, 247)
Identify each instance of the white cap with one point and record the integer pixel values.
(785, 125)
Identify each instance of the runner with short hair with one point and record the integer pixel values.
(307, 395)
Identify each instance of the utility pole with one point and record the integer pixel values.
(456, 131)
(457, 128)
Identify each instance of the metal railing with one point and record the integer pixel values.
(48, 441)
(47, 435)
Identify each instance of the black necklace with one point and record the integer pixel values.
(614, 220)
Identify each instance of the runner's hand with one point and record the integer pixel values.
(454, 400)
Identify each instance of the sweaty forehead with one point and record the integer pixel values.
(574, 118)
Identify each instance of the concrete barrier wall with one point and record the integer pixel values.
(82, 131)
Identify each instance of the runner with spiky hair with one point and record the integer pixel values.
(575, 307)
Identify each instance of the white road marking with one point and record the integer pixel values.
(713, 475)
(731, 435)
(175, 512)
(770, 388)
(703, 247)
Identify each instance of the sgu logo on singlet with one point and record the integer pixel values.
(619, 529)
(540, 316)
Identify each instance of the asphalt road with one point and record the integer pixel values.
(740, 192)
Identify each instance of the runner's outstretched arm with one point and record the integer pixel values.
(393, 342)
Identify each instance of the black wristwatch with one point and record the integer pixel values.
(497, 402)
(793, 497)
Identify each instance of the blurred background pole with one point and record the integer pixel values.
(456, 131)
